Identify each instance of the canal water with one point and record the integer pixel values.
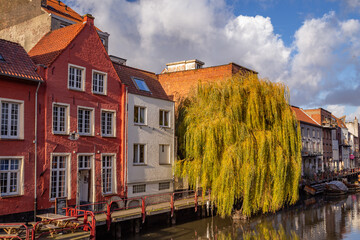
(320, 218)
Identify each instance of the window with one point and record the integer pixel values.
(139, 153)
(308, 132)
(10, 119)
(164, 185)
(84, 162)
(10, 176)
(164, 118)
(139, 115)
(62, 25)
(107, 123)
(141, 84)
(107, 173)
(2, 58)
(164, 156)
(103, 41)
(99, 82)
(58, 176)
(140, 188)
(313, 132)
(76, 77)
(85, 121)
(60, 119)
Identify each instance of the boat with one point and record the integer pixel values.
(335, 188)
(352, 188)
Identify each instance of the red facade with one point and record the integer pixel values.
(81, 128)
(18, 84)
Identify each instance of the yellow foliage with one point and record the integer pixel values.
(240, 138)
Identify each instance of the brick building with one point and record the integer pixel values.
(18, 95)
(82, 118)
(325, 119)
(27, 21)
(179, 78)
(311, 137)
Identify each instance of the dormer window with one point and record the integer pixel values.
(141, 84)
(102, 41)
(2, 58)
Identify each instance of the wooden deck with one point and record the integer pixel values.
(154, 209)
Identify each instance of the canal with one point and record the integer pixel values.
(320, 218)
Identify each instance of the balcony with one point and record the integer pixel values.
(306, 153)
(345, 143)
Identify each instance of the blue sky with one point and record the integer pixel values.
(311, 46)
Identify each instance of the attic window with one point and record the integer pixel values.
(2, 58)
(141, 84)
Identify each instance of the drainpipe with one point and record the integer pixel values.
(125, 140)
(35, 143)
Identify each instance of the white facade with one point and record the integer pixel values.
(345, 148)
(311, 149)
(150, 155)
(335, 151)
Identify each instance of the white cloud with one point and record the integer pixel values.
(336, 110)
(320, 67)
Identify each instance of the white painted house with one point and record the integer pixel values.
(150, 133)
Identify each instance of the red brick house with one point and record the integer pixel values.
(18, 92)
(179, 78)
(82, 114)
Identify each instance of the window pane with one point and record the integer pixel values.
(141, 160)
(136, 155)
(136, 114)
(161, 121)
(166, 119)
(142, 115)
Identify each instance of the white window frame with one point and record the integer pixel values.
(139, 114)
(162, 184)
(67, 190)
(90, 155)
(139, 185)
(137, 161)
(163, 112)
(67, 117)
(113, 132)
(104, 92)
(113, 174)
(92, 121)
(169, 157)
(83, 74)
(20, 122)
(20, 179)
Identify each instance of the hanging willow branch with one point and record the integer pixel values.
(240, 138)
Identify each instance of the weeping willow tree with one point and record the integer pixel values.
(240, 138)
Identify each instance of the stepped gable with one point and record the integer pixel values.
(126, 75)
(15, 62)
(53, 43)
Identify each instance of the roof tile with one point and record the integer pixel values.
(303, 117)
(53, 43)
(17, 62)
(126, 75)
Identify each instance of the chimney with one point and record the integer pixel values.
(88, 18)
(183, 65)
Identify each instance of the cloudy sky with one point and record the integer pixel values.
(313, 46)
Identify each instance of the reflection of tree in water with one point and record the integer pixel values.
(263, 231)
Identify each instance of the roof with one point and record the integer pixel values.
(53, 43)
(61, 9)
(339, 122)
(126, 75)
(303, 117)
(17, 62)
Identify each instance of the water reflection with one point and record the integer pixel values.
(318, 219)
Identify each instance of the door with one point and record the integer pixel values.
(84, 185)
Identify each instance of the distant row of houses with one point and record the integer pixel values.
(328, 143)
(77, 123)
